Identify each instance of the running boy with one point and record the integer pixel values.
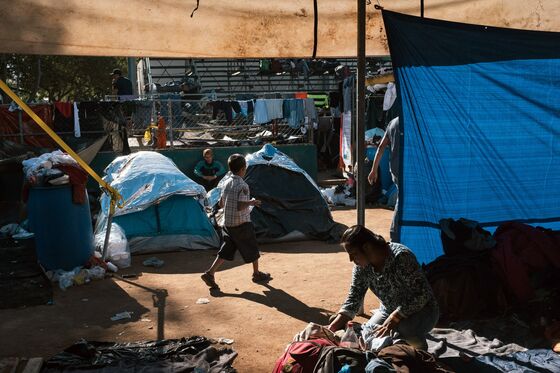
(238, 231)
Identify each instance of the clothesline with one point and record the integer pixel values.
(296, 111)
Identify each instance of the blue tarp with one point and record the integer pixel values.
(481, 126)
(162, 208)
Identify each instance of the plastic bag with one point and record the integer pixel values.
(96, 273)
(118, 251)
(66, 279)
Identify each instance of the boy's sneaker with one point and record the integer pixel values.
(261, 277)
(209, 280)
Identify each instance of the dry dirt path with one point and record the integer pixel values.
(310, 282)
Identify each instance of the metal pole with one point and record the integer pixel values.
(422, 8)
(105, 252)
(20, 122)
(132, 74)
(170, 110)
(360, 113)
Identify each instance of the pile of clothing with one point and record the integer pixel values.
(54, 169)
(502, 344)
(316, 349)
(506, 279)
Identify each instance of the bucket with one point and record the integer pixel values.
(63, 230)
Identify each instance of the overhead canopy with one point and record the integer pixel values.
(480, 126)
(233, 28)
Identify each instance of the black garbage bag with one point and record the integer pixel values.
(165, 356)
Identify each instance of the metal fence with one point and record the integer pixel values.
(198, 123)
(188, 122)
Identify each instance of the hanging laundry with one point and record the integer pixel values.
(77, 132)
(224, 106)
(345, 139)
(294, 112)
(311, 111)
(274, 108)
(347, 92)
(235, 107)
(261, 113)
(390, 96)
(65, 108)
(244, 108)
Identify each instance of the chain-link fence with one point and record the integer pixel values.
(141, 122)
(201, 122)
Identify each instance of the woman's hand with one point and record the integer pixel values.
(338, 323)
(384, 330)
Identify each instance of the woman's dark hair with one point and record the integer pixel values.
(236, 162)
(358, 235)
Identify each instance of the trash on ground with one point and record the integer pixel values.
(77, 276)
(122, 316)
(203, 301)
(225, 341)
(111, 267)
(153, 262)
(118, 250)
(16, 231)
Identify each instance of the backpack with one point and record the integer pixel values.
(301, 357)
(333, 358)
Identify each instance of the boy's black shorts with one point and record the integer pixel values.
(241, 238)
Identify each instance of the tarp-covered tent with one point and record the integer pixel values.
(162, 208)
(481, 126)
(292, 204)
(233, 28)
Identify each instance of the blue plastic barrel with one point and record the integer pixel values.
(63, 231)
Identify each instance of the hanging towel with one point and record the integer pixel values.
(274, 108)
(390, 96)
(261, 113)
(77, 132)
(311, 111)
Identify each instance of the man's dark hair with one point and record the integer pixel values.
(236, 162)
(358, 235)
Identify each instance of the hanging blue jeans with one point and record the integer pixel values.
(294, 112)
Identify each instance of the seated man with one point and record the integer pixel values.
(209, 171)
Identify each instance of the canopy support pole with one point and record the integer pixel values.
(361, 175)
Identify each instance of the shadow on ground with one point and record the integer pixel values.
(198, 261)
(282, 302)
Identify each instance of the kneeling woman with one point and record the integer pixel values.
(408, 308)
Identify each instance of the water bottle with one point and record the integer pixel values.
(345, 369)
(350, 339)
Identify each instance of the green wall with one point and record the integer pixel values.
(305, 155)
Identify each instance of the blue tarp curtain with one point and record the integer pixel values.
(480, 123)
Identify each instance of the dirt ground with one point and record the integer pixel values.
(310, 282)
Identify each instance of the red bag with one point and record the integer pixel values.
(301, 357)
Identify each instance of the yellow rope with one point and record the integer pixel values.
(115, 196)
